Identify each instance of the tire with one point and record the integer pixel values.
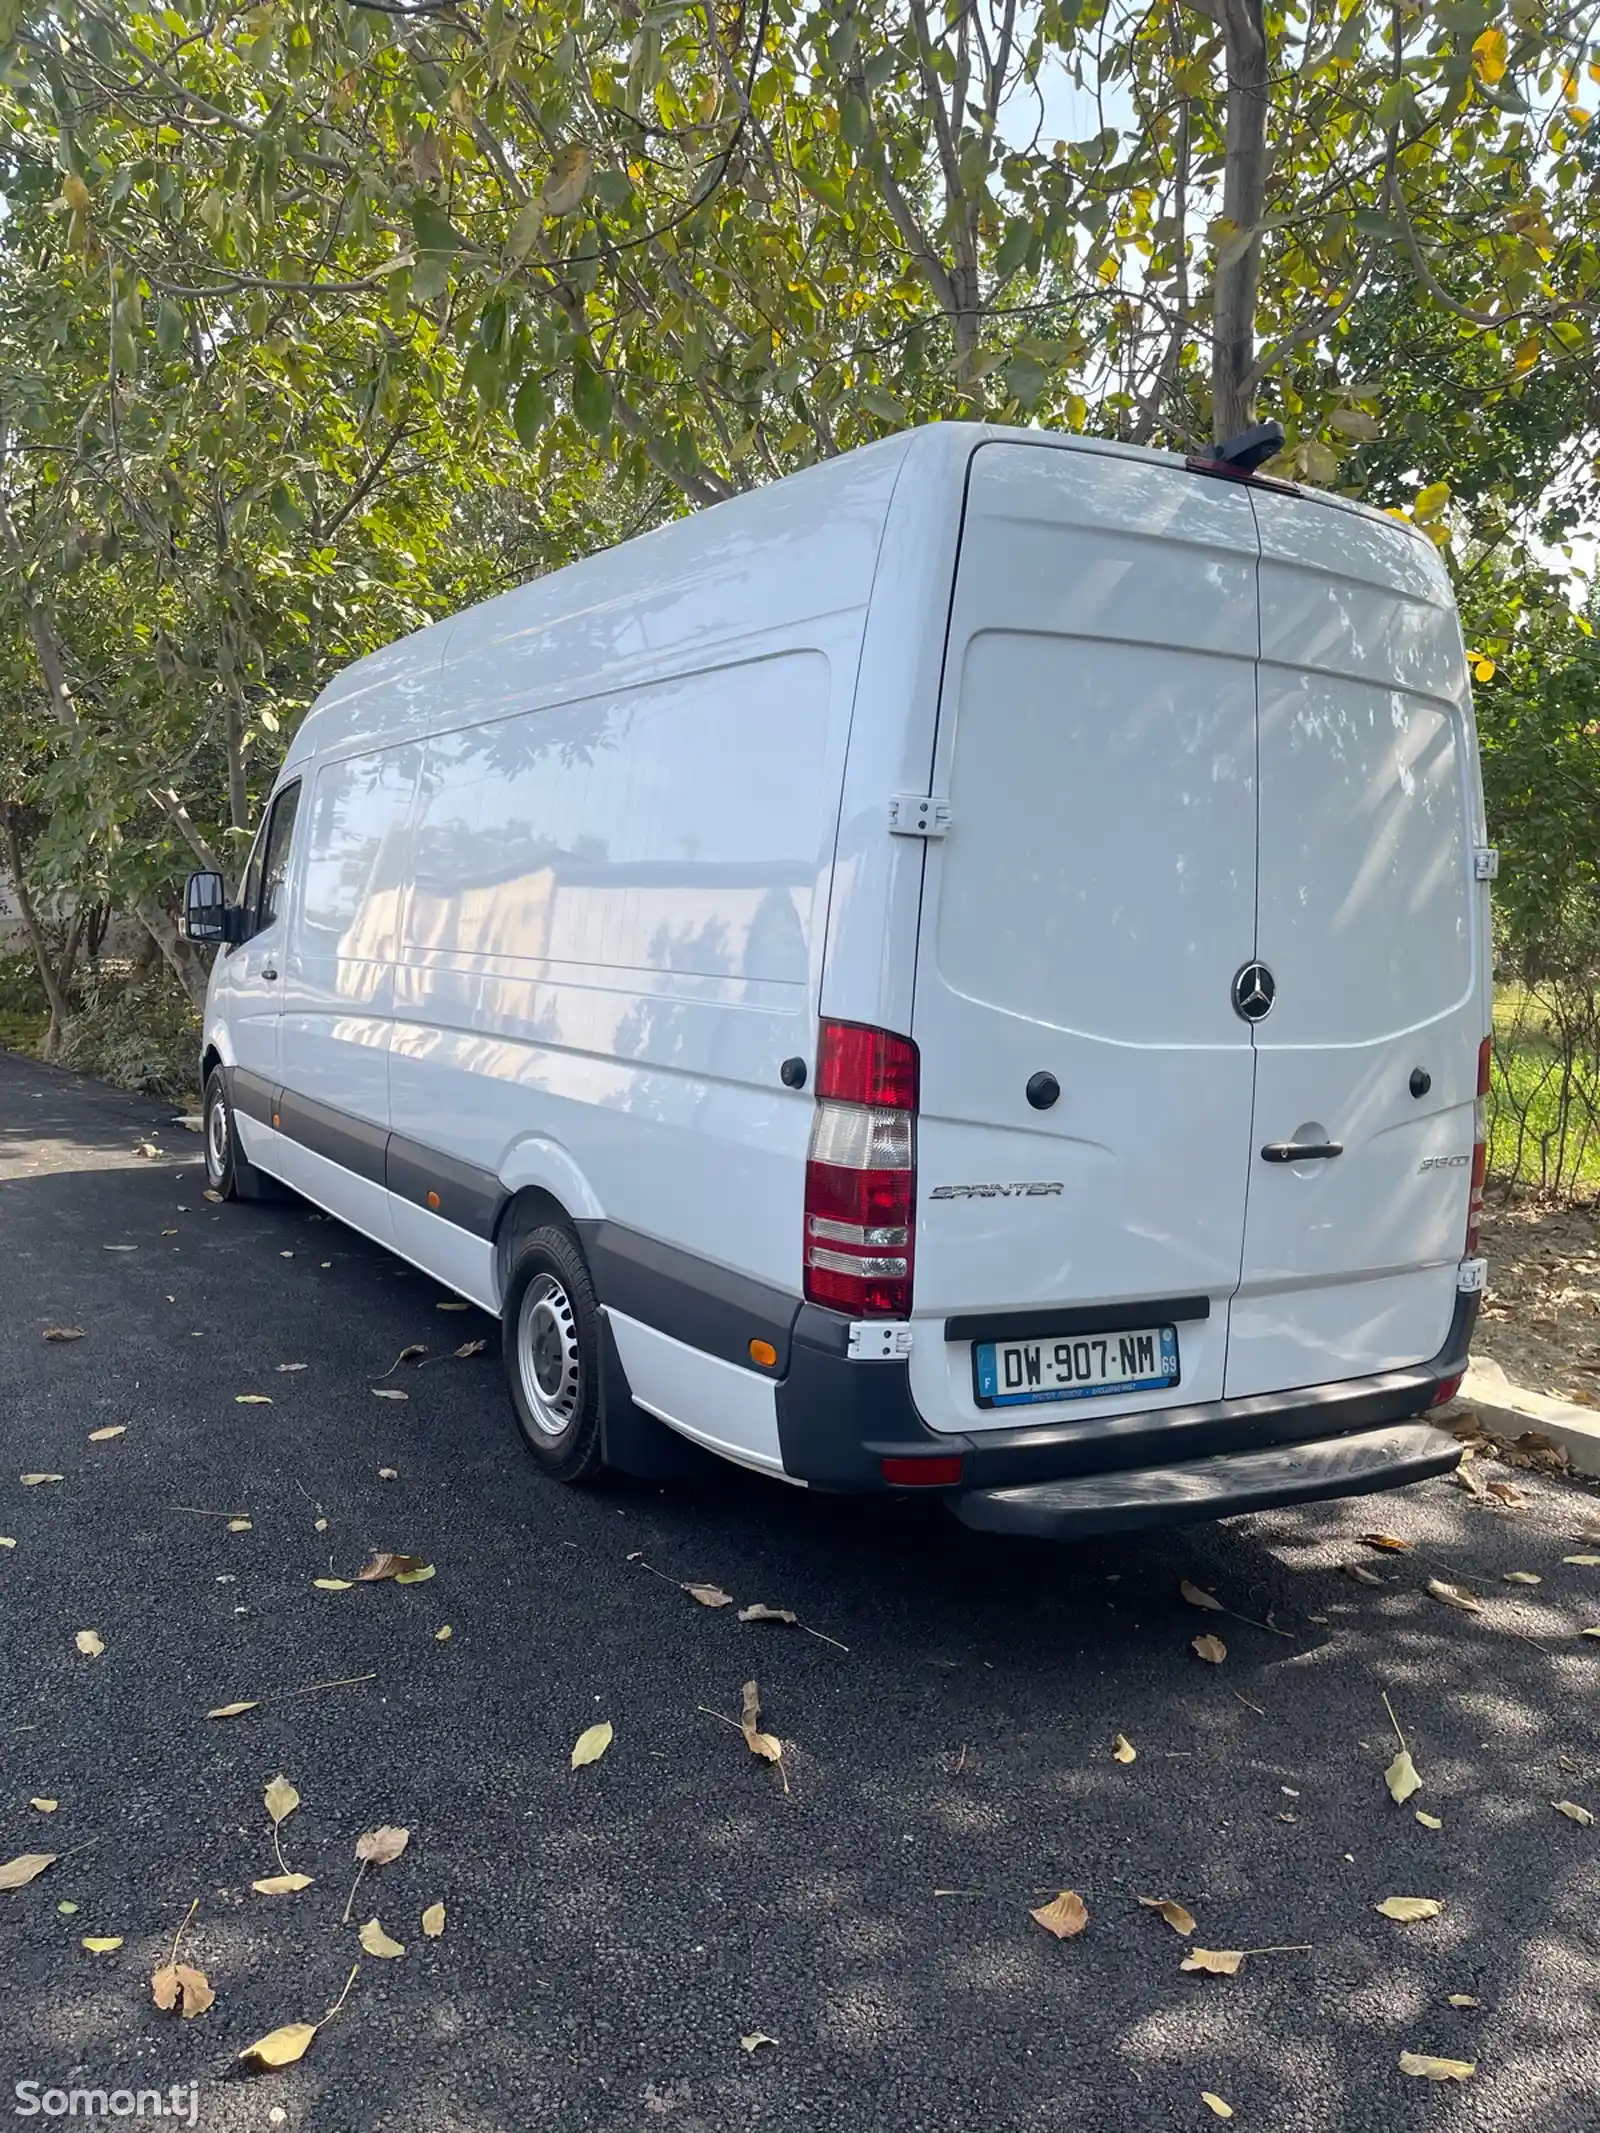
(550, 1331)
(227, 1171)
(221, 1146)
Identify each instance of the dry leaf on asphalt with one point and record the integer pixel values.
(1437, 2069)
(1198, 1598)
(1409, 1909)
(6, 1541)
(1180, 1920)
(89, 1643)
(333, 1584)
(27, 1866)
(181, 1986)
(45, 1807)
(419, 1576)
(1428, 1821)
(282, 1884)
(1584, 1562)
(433, 1920)
(754, 2041)
(443, 1636)
(104, 1436)
(208, 1194)
(453, 1304)
(1464, 1999)
(1361, 1574)
(1216, 1962)
(1388, 1541)
(469, 1348)
(1123, 1749)
(377, 1942)
(102, 1943)
(252, 1399)
(234, 1710)
(382, 1846)
(1215, 2104)
(1454, 1596)
(280, 2047)
(385, 1564)
(1573, 1812)
(762, 1613)
(1211, 1648)
(592, 1743)
(708, 1595)
(766, 1745)
(283, 1368)
(388, 1473)
(1519, 1577)
(281, 1799)
(1504, 1492)
(1065, 1915)
(406, 1355)
(63, 1333)
(389, 1392)
(34, 1481)
(1401, 1778)
(240, 1525)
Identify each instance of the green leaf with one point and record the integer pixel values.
(591, 397)
(530, 411)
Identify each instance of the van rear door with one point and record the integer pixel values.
(1083, 917)
(1373, 932)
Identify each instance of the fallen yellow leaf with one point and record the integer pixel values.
(1196, 1597)
(1065, 1915)
(761, 1612)
(443, 1635)
(45, 1807)
(281, 2047)
(104, 1436)
(389, 1392)
(102, 1943)
(281, 1799)
(1216, 2104)
(754, 2041)
(1454, 1596)
(591, 1744)
(766, 1745)
(433, 1920)
(333, 1584)
(282, 1884)
(239, 1525)
(252, 1399)
(34, 1481)
(1401, 1778)
(27, 1866)
(1464, 1999)
(1573, 1812)
(1180, 1920)
(1428, 1821)
(383, 1845)
(1216, 1962)
(1584, 1562)
(377, 1942)
(1409, 1909)
(1520, 1577)
(1124, 1750)
(1437, 2069)
(181, 1982)
(419, 1576)
(1360, 1574)
(233, 1710)
(63, 1333)
(1389, 1541)
(1211, 1648)
(89, 1643)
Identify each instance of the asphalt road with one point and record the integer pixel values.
(613, 1933)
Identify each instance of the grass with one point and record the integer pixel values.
(1532, 1082)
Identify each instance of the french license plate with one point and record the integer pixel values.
(1078, 1366)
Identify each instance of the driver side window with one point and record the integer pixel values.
(261, 891)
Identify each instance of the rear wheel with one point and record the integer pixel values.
(551, 1338)
(221, 1152)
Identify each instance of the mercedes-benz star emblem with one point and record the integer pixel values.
(1254, 990)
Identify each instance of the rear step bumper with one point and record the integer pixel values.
(1219, 1487)
(838, 1420)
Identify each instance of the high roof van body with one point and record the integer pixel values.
(966, 969)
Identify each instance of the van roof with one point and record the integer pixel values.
(359, 703)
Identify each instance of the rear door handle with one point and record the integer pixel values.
(1301, 1151)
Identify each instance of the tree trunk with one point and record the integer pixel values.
(233, 717)
(1244, 191)
(183, 959)
(60, 1011)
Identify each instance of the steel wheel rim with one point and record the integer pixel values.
(217, 1137)
(549, 1364)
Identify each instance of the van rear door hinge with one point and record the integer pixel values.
(1485, 862)
(918, 814)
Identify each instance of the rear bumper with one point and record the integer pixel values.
(838, 1421)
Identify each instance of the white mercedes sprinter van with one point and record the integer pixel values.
(964, 970)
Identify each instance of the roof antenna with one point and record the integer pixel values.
(1252, 448)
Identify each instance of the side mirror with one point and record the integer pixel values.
(205, 908)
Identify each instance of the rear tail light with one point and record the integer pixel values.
(940, 1470)
(1446, 1389)
(1480, 1152)
(860, 1205)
